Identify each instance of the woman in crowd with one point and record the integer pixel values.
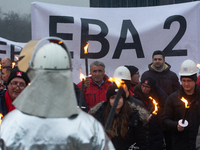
(127, 125)
(144, 91)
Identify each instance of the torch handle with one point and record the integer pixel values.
(113, 109)
(184, 115)
(81, 94)
(86, 64)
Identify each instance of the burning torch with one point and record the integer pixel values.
(198, 65)
(154, 109)
(183, 122)
(15, 62)
(82, 78)
(119, 84)
(86, 58)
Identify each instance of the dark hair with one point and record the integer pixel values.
(8, 68)
(158, 52)
(120, 121)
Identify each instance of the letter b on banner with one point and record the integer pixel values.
(98, 37)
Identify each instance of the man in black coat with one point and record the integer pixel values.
(184, 137)
(166, 79)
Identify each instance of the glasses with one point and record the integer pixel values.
(19, 85)
(144, 86)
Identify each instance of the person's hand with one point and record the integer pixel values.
(180, 128)
(86, 83)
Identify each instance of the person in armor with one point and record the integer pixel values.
(46, 114)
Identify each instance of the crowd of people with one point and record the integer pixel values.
(149, 114)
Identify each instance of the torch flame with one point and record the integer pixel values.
(117, 81)
(60, 42)
(13, 64)
(198, 65)
(1, 115)
(16, 58)
(155, 105)
(185, 101)
(86, 48)
(82, 77)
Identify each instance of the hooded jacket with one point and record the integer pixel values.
(173, 112)
(154, 124)
(95, 94)
(166, 79)
(137, 133)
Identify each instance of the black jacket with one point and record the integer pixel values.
(154, 124)
(78, 96)
(3, 107)
(136, 133)
(166, 79)
(174, 110)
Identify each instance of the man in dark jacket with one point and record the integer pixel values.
(184, 136)
(160, 71)
(166, 79)
(135, 75)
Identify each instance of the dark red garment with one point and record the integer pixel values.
(198, 80)
(9, 102)
(132, 91)
(94, 94)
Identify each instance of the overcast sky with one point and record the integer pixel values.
(24, 6)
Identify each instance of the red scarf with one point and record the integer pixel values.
(8, 102)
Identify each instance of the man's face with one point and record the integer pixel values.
(15, 87)
(5, 75)
(158, 61)
(135, 78)
(97, 73)
(4, 62)
(188, 85)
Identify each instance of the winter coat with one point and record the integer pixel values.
(154, 124)
(166, 79)
(137, 134)
(78, 95)
(198, 140)
(3, 107)
(95, 94)
(174, 110)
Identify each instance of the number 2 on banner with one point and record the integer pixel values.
(168, 50)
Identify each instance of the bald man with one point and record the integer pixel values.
(6, 61)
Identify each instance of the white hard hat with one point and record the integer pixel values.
(51, 56)
(122, 73)
(47, 53)
(188, 68)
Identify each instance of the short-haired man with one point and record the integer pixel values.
(5, 74)
(160, 71)
(6, 61)
(184, 137)
(135, 75)
(16, 83)
(165, 78)
(95, 91)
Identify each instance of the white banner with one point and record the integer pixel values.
(122, 36)
(10, 48)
